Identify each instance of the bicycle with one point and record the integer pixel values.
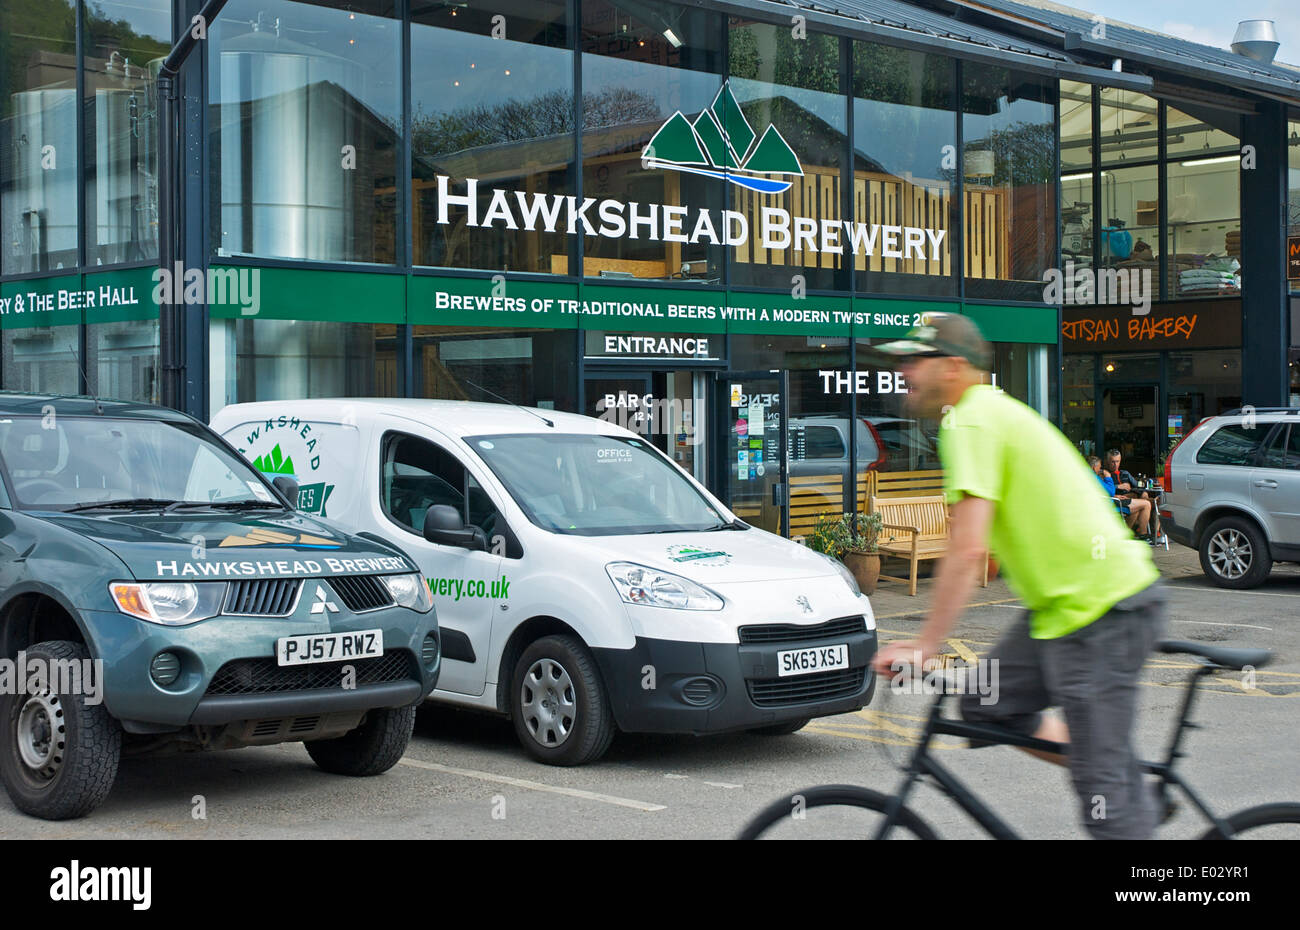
(900, 818)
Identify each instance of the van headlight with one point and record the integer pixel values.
(171, 603)
(650, 587)
(845, 574)
(409, 591)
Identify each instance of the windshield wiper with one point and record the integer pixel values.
(141, 503)
(733, 525)
(225, 505)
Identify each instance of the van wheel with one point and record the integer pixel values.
(371, 749)
(782, 729)
(558, 703)
(1234, 553)
(59, 753)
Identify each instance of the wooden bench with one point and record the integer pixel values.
(814, 495)
(915, 529)
(888, 484)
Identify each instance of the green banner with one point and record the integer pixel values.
(495, 301)
(241, 292)
(66, 300)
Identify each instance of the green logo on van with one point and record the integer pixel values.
(722, 144)
(274, 463)
(696, 554)
(312, 498)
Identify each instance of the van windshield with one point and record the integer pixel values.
(586, 485)
(67, 463)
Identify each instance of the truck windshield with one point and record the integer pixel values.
(63, 463)
(586, 485)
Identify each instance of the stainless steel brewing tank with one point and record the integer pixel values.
(285, 115)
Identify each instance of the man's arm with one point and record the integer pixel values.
(954, 584)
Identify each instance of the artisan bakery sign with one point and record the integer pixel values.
(1185, 325)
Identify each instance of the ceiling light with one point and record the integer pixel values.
(1222, 160)
(672, 38)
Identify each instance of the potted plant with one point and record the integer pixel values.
(852, 539)
(862, 556)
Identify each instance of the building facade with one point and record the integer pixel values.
(692, 218)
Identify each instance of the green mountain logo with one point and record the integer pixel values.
(722, 144)
(274, 463)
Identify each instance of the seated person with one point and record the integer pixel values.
(1136, 511)
(1126, 486)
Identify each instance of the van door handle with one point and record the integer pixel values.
(1266, 483)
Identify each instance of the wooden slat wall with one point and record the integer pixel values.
(889, 201)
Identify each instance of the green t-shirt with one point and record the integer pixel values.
(1064, 547)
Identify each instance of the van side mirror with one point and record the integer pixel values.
(443, 525)
(288, 487)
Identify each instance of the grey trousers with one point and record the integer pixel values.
(1092, 675)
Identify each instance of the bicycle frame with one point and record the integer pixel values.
(922, 763)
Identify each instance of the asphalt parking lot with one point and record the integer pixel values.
(464, 775)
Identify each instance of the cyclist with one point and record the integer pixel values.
(1094, 606)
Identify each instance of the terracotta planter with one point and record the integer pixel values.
(865, 567)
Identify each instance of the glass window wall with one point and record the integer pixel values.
(305, 110)
(904, 157)
(125, 41)
(38, 136)
(1009, 163)
(491, 101)
(290, 359)
(791, 120)
(654, 119)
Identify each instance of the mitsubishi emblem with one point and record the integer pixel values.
(802, 601)
(322, 603)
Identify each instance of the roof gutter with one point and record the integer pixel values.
(905, 38)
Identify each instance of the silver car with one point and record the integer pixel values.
(1232, 491)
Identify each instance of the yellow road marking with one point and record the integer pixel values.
(912, 613)
(963, 650)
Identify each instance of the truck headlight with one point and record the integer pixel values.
(171, 603)
(650, 587)
(409, 591)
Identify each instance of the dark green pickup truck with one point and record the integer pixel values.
(155, 590)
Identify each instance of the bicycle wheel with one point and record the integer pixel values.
(834, 812)
(1265, 822)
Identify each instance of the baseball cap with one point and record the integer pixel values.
(943, 334)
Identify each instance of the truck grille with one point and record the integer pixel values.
(361, 592)
(273, 597)
(793, 633)
(807, 689)
(264, 676)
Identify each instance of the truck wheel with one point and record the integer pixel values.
(372, 748)
(1234, 553)
(558, 703)
(59, 753)
(782, 729)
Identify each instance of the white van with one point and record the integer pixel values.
(583, 581)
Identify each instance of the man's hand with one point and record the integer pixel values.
(914, 652)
